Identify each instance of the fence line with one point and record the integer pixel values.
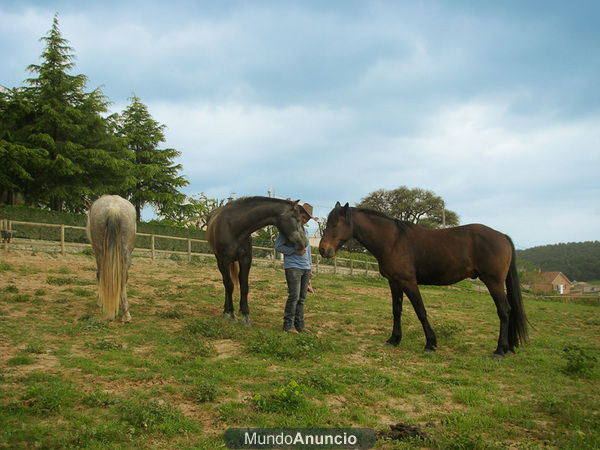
(8, 237)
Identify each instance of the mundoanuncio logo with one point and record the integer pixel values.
(299, 438)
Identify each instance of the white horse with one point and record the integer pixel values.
(111, 231)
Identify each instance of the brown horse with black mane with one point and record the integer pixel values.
(229, 236)
(410, 255)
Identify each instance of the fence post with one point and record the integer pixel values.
(351, 266)
(152, 246)
(4, 226)
(367, 268)
(335, 264)
(274, 258)
(189, 250)
(62, 240)
(317, 264)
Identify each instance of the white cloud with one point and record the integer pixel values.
(493, 109)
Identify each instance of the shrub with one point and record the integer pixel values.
(209, 327)
(49, 397)
(105, 345)
(286, 346)
(90, 323)
(173, 313)
(151, 415)
(285, 398)
(204, 392)
(59, 281)
(100, 399)
(580, 361)
(20, 360)
(10, 289)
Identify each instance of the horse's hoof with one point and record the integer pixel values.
(230, 317)
(246, 321)
(126, 318)
(391, 344)
(497, 356)
(428, 350)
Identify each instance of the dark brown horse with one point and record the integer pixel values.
(228, 233)
(410, 255)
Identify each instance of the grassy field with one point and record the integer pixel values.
(179, 375)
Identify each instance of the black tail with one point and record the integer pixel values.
(517, 321)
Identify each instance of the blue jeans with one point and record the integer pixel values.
(297, 281)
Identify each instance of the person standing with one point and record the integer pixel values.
(298, 267)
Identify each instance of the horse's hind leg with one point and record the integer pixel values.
(228, 283)
(125, 316)
(98, 269)
(397, 295)
(496, 289)
(245, 263)
(413, 294)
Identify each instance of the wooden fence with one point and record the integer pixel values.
(10, 239)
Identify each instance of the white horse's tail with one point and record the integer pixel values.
(234, 273)
(112, 267)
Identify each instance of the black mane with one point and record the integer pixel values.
(257, 198)
(401, 224)
(248, 201)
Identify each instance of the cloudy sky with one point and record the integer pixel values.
(494, 106)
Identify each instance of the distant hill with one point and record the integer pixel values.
(579, 261)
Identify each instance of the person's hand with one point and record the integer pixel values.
(301, 252)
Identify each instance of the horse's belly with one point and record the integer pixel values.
(441, 278)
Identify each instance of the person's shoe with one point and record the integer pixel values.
(302, 330)
(291, 331)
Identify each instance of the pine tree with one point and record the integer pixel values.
(20, 164)
(84, 159)
(154, 177)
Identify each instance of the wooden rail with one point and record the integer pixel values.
(9, 239)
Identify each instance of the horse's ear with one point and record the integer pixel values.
(337, 205)
(295, 205)
(345, 210)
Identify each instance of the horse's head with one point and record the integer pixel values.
(338, 230)
(290, 224)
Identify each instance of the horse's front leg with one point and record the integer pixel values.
(412, 291)
(397, 297)
(228, 284)
(245, 263)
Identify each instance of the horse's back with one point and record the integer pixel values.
(445, 256)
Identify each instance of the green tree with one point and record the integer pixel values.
(417, 205)
(153, 177)
(576, 260)
(193, 212)
(20, 164)
(84, 159)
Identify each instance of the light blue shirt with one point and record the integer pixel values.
(291, 259)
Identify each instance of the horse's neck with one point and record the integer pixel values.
(369, 231)
(257, 217)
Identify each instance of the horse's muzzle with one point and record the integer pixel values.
(328, 252)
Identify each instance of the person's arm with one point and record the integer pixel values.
(281, 246)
